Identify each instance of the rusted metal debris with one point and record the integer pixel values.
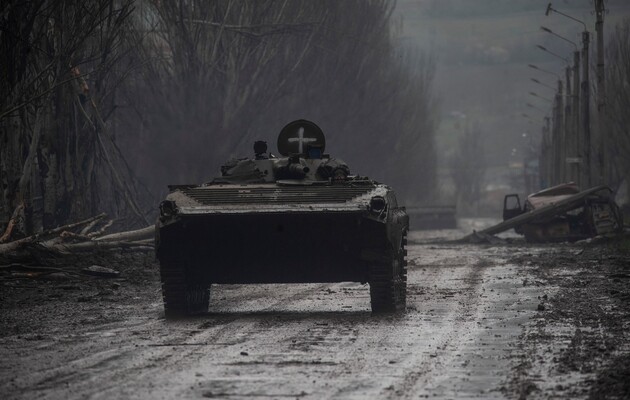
(559, 213)
(97, 270)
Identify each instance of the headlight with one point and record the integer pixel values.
(168, 208)
(377, 204)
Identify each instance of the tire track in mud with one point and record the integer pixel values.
(237, 328)
(306, 341)
(289, 341)
(341, 349)
(349, 352)
(374, 358)
(423, 370)
(66, 358)
(235, 331)
(141, 359)
(473, 342)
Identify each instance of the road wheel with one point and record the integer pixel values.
(388, 282)
(180, 297)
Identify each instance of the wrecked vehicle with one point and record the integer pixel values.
(298, 218)
(563, 213)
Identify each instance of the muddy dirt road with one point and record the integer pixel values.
(483, 321)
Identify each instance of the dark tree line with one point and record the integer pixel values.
(104, 102)
(60, 67)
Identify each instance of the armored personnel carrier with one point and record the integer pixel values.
(297, 218)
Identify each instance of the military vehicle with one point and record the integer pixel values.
(297, 218)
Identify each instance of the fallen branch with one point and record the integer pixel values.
(14, 245)
(40, 270)
(67, 235)
(94, 245)
(12, 222)
(102, 230)
(144, 233)
(89, 227)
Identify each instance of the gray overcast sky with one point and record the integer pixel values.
(482, 49)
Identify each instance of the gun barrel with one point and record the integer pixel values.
(298, 170)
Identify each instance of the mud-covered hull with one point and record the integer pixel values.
(272, 234)
(276, 248)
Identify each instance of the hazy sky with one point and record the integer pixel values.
(482, 49)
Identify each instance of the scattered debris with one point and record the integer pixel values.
(20, 271)
(481, 237)
(60, 254)
(63, 240)
(97, 270)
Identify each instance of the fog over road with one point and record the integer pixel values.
(469, 308)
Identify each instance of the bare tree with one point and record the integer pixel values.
(176, 87)
(227, 72)
(59, 162)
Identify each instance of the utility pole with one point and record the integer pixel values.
(599, 28)
(545, 158)
(549, 153)
(557, 140)
(601, 91)
(586, 112)
(576, 145)
(572, 120)
(566, 136)
(585, 148)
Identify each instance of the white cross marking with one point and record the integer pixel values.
(301, 140)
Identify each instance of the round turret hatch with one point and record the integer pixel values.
(297, 136)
